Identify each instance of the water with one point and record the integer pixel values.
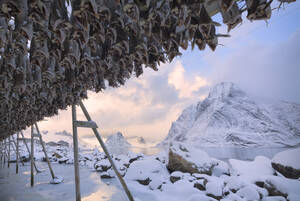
(242, 153)
(223, 153)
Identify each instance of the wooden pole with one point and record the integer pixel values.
(44, 150)
(8, 160)
(86, 114)
(75, 144)
(5, 150)
(17, 153)
(1, 146)
(32, 158)
(26, 145)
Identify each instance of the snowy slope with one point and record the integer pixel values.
(229, 117)
(117, 144)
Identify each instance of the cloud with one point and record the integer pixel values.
(145, 106)
(185, 86)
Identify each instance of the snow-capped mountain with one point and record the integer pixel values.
(229, 117)
(117, 144)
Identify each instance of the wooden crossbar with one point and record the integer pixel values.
(75, 140)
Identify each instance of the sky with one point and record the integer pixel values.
(262, 58)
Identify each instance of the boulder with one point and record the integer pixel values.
(184, 158)
(287, 163)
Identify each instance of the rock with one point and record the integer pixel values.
(175, 176)
(146, 171)
(63, 143)
(102, 165)
(57, 155)
(221, 168)
(144, 182)
(107, 175)
(287, 171)
(273, 190)
(200, 184)
(189, 160)
(287, 163)
(52, 144)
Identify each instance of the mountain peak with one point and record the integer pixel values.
(224, 90)
(228, 117)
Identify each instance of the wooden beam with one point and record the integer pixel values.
(75, 146)
(32, 158)
(36, 135)
(86, 114)
(86, 124)
(44, 150)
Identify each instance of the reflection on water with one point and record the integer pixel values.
(241, 153)
(146, 150)
(102, 194)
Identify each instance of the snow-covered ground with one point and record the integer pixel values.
(152, 178)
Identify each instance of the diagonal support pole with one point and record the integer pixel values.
(86, 114)
(26, 145)
(44, 150)
(18, 156)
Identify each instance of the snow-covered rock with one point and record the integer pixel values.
(146, 171)
(229, 117)
(280, 186)
(288, 163)
(215, 189)
(260, 166)
(186, 158)
(249, 193)
(117, 144)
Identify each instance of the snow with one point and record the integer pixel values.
(288, 158)
(228, 119)
(148, 179)
(199, 158)
(290, 187)
(260, 166)
(144, 169)
(274, 198)
(201, 197)
(248, 193)
(57, 180)
(214, 188)
(117, 144)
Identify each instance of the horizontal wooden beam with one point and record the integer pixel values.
(85, 124)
